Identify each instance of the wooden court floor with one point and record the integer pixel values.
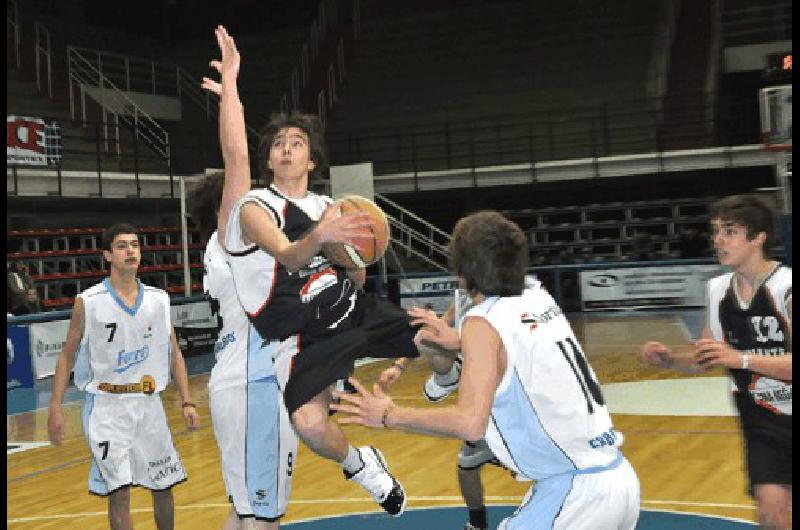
(685, 463)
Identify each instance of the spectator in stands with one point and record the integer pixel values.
(32, 303)
(644, 247)
(691, 244)
(19, 281)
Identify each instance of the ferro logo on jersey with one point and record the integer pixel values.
(317, 283)
(126, 359)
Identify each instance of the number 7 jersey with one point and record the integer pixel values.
(548, 416)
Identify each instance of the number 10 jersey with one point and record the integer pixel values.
(549, 416)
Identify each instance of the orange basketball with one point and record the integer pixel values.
(364, 251)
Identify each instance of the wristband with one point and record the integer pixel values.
(745, 362)
(189, 404)
(386, 415)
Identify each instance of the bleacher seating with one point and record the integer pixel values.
(606, 232)
(65, 261)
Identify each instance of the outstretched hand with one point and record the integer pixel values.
(709, 352)
(434, 329)
(228, 66)
(365, 408)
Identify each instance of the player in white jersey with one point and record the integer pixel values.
(748, 331)
(526, 386)
(256, 441)
(126, 352)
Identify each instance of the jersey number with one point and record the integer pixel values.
(113, 328)
(584, 377)
(289, 464)
(104, 445)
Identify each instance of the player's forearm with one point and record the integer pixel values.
(180, 377)
(61, 377)
(232, 129)
(298, 254)
(449, 422)
(775, 367)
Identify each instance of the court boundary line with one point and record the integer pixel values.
(495, 500)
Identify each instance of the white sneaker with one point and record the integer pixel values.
(376, 479)
(435, 392)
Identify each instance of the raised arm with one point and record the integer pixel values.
(232, 128)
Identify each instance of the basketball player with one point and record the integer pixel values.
(256, 441)
(311, 314)
(126, 351)
(524, 370)
(748, 331)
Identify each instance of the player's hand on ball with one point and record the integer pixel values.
(656, 354)
(365, 407)
(338, 228)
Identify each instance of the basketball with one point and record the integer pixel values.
(365, 251)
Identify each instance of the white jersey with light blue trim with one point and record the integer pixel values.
(122, 344)
(230, 349)
(548, 417)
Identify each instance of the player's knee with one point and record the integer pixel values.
(310, 422)
(773, 506)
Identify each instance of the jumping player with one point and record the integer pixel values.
(126, 351)
(526, 387)
(748, 331)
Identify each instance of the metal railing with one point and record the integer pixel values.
(113, 101)
(42, 49)
(622, 127)
(414, 234)
(13, 33)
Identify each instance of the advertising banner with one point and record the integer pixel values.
(433, 292)
(196, 327)
(19, 372)
(677, 285)
(32, 141)
(47, 340)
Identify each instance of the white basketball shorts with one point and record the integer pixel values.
(607, 499)
(131, 443)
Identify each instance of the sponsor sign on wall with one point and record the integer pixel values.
(32, 141)
(47, 340)
(195, 327)
(19, 372)
(678, 285)
(433, 292)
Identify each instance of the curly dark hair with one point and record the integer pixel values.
(310, 124)
(490, 253)
(113, 231)
(203, 203)
(755, 213)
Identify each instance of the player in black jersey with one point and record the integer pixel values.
(748, 331)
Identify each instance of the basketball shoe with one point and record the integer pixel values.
(376, 479)
(439, 386)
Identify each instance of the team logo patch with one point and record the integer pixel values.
(771, 394)
(317, 283)
(148, 384)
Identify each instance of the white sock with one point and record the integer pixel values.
(449, 378)
(352, 463)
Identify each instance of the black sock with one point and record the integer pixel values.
(477, 518)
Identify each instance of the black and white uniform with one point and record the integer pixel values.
(128, 434)
(765, 404)
(315, 316)
(257, 443)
